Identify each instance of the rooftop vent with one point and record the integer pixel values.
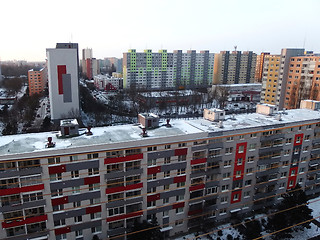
(214, 114)
(148, 120)
(144, 132)
(50, 144)
(69, 128)
(88, 132)
(220, 124)
(168, 123)
(278, 117)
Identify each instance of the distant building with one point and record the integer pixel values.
(275, 74)
(303, 80)
(37, 79)
(104, 82)
(63, 82)
(90, 65)
(165, 70)
(259, 67)
(234, 67)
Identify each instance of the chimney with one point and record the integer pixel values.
(168, 123)
(144, 132)
(88, 133)
(50, 144)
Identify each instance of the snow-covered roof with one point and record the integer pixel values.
(26, 143)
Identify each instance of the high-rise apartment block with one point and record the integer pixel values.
(275, 74)
(184, 174)
(259, 66)
(303, 80)
(63, 70)
(37, 79)
(165, 70)
(234, 67)
(90, 65)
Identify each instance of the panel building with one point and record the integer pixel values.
(275, 74)
(63, 70)
(37, 79)
(183, 174)
(165, 70)
(259, 66)
(234, 67)
(303, 80)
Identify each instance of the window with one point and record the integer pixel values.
(93, 171)
(78, 233)
(181, 184)
(74, 174)
(166, 187)
(283, 174)
(212, 190)
(73, 158)
(55, 160)
(55, 177)
(179, 198)
(95, 215)
(94, 201)
(222, 211)
(94, 186)
(248, 182)
(152, 148)
(239, 161)
(182, 158)
(224, 188)
(287, 152)
(115, 211)
(246, 194)
(152, 162)
(179, 210)
(301, 170)
(179, 222)
(241, 137)
(253, 135)
(249, 170)
(288, 140)
(182, 144)
(229, 139)
(227, 163)
(151, 204)
(298, 140)
(238, 173)
(229, 150)
(307, 137)
(92, 155)
(281, 185)
(96, 229)
(241, 149)
(236, 197)
(76, 189)
(181, 171)
(167, 146)
(250, 159)
(285, 163)
(78, 219)
(59, 222)
(167, 160)
(224, 199)
(165, 213)
(226, 175)
(30, 197)
(252, 146)
(58, 207)
(291, 183)
(152, 176)
(165, 200)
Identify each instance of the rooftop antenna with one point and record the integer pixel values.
(235, 48)
(304, 40)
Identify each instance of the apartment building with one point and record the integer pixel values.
(165, 70)
(234, 67)
(259, 66)
(37, 79)
(275, 74)
(183, 173)
(63, 78)
(303, 80)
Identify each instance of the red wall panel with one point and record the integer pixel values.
(198, 161)
(61, 69)
(123, 159)
(182, 151)
(57, 169)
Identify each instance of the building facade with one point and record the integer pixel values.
(63, 70)
(259, 66)
(234, 67)
(37, 79)
(184, 174)
(165, 70)
(275, 76)
(104, 82)
(303, 80)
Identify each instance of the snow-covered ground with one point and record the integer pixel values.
(226, 229)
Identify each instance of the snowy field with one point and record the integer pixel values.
(314, 204)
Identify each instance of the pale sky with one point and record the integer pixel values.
(112, 27)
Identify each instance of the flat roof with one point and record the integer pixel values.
(35, 142)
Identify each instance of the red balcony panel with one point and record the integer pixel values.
(194, 212)
(59, 201)
(123, 159)
(239, 196)
(93, 209)
(196, 187)
(11, 191)
(296, 139)
(91, 180)
(134, 186)
(198, 161)
(153, 170)
(153, 197)
(182, 151)
(63, 230)
(15, 223)
(124, 216)
(178, 205)
(179, 179)
(115, 189)
(57, 169)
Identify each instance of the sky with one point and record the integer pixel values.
(112, 27)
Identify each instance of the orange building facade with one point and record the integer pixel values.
(303, 80)
(37, 79)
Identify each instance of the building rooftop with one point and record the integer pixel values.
(35, 142)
